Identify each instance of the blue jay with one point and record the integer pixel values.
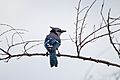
(52, 43)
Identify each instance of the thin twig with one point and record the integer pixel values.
(13, 29)
(85, 40)
(82, 27)
(101, 12)
(7, 42)
(12, 41)
(76, 27)
(5, 52)
(99, 37)
(109, 33)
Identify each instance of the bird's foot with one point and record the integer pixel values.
(58, 54)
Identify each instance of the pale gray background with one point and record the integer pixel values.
(36, 16)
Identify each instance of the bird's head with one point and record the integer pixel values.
(57, 31)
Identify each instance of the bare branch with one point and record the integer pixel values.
(5, 52)
(78, 36)
(87, 12)
(98, 37)
(25, 43)
(83, 9)
(71, 39)
(101, 12)
(7, 42)
(92, 59)
(109, 33)
(13, 29)
(76, 27)
(65, 55)
(33, 46)
(115, 18)
(12, 41)
(25, 51)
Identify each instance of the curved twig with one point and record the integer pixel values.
(109, 33)
(13, 29)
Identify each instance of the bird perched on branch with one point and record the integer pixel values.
(52, 43)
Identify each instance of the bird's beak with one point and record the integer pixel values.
(63, 31)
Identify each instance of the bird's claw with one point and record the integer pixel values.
(58, 54)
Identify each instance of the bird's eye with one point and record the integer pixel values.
(58, 30)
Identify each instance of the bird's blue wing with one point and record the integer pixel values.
(51, 43)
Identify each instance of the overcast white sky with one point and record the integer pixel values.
(36, 16)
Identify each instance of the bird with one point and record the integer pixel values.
(52, 43)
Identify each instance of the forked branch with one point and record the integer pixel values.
(109, 32)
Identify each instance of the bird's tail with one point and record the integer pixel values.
(53, 59)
